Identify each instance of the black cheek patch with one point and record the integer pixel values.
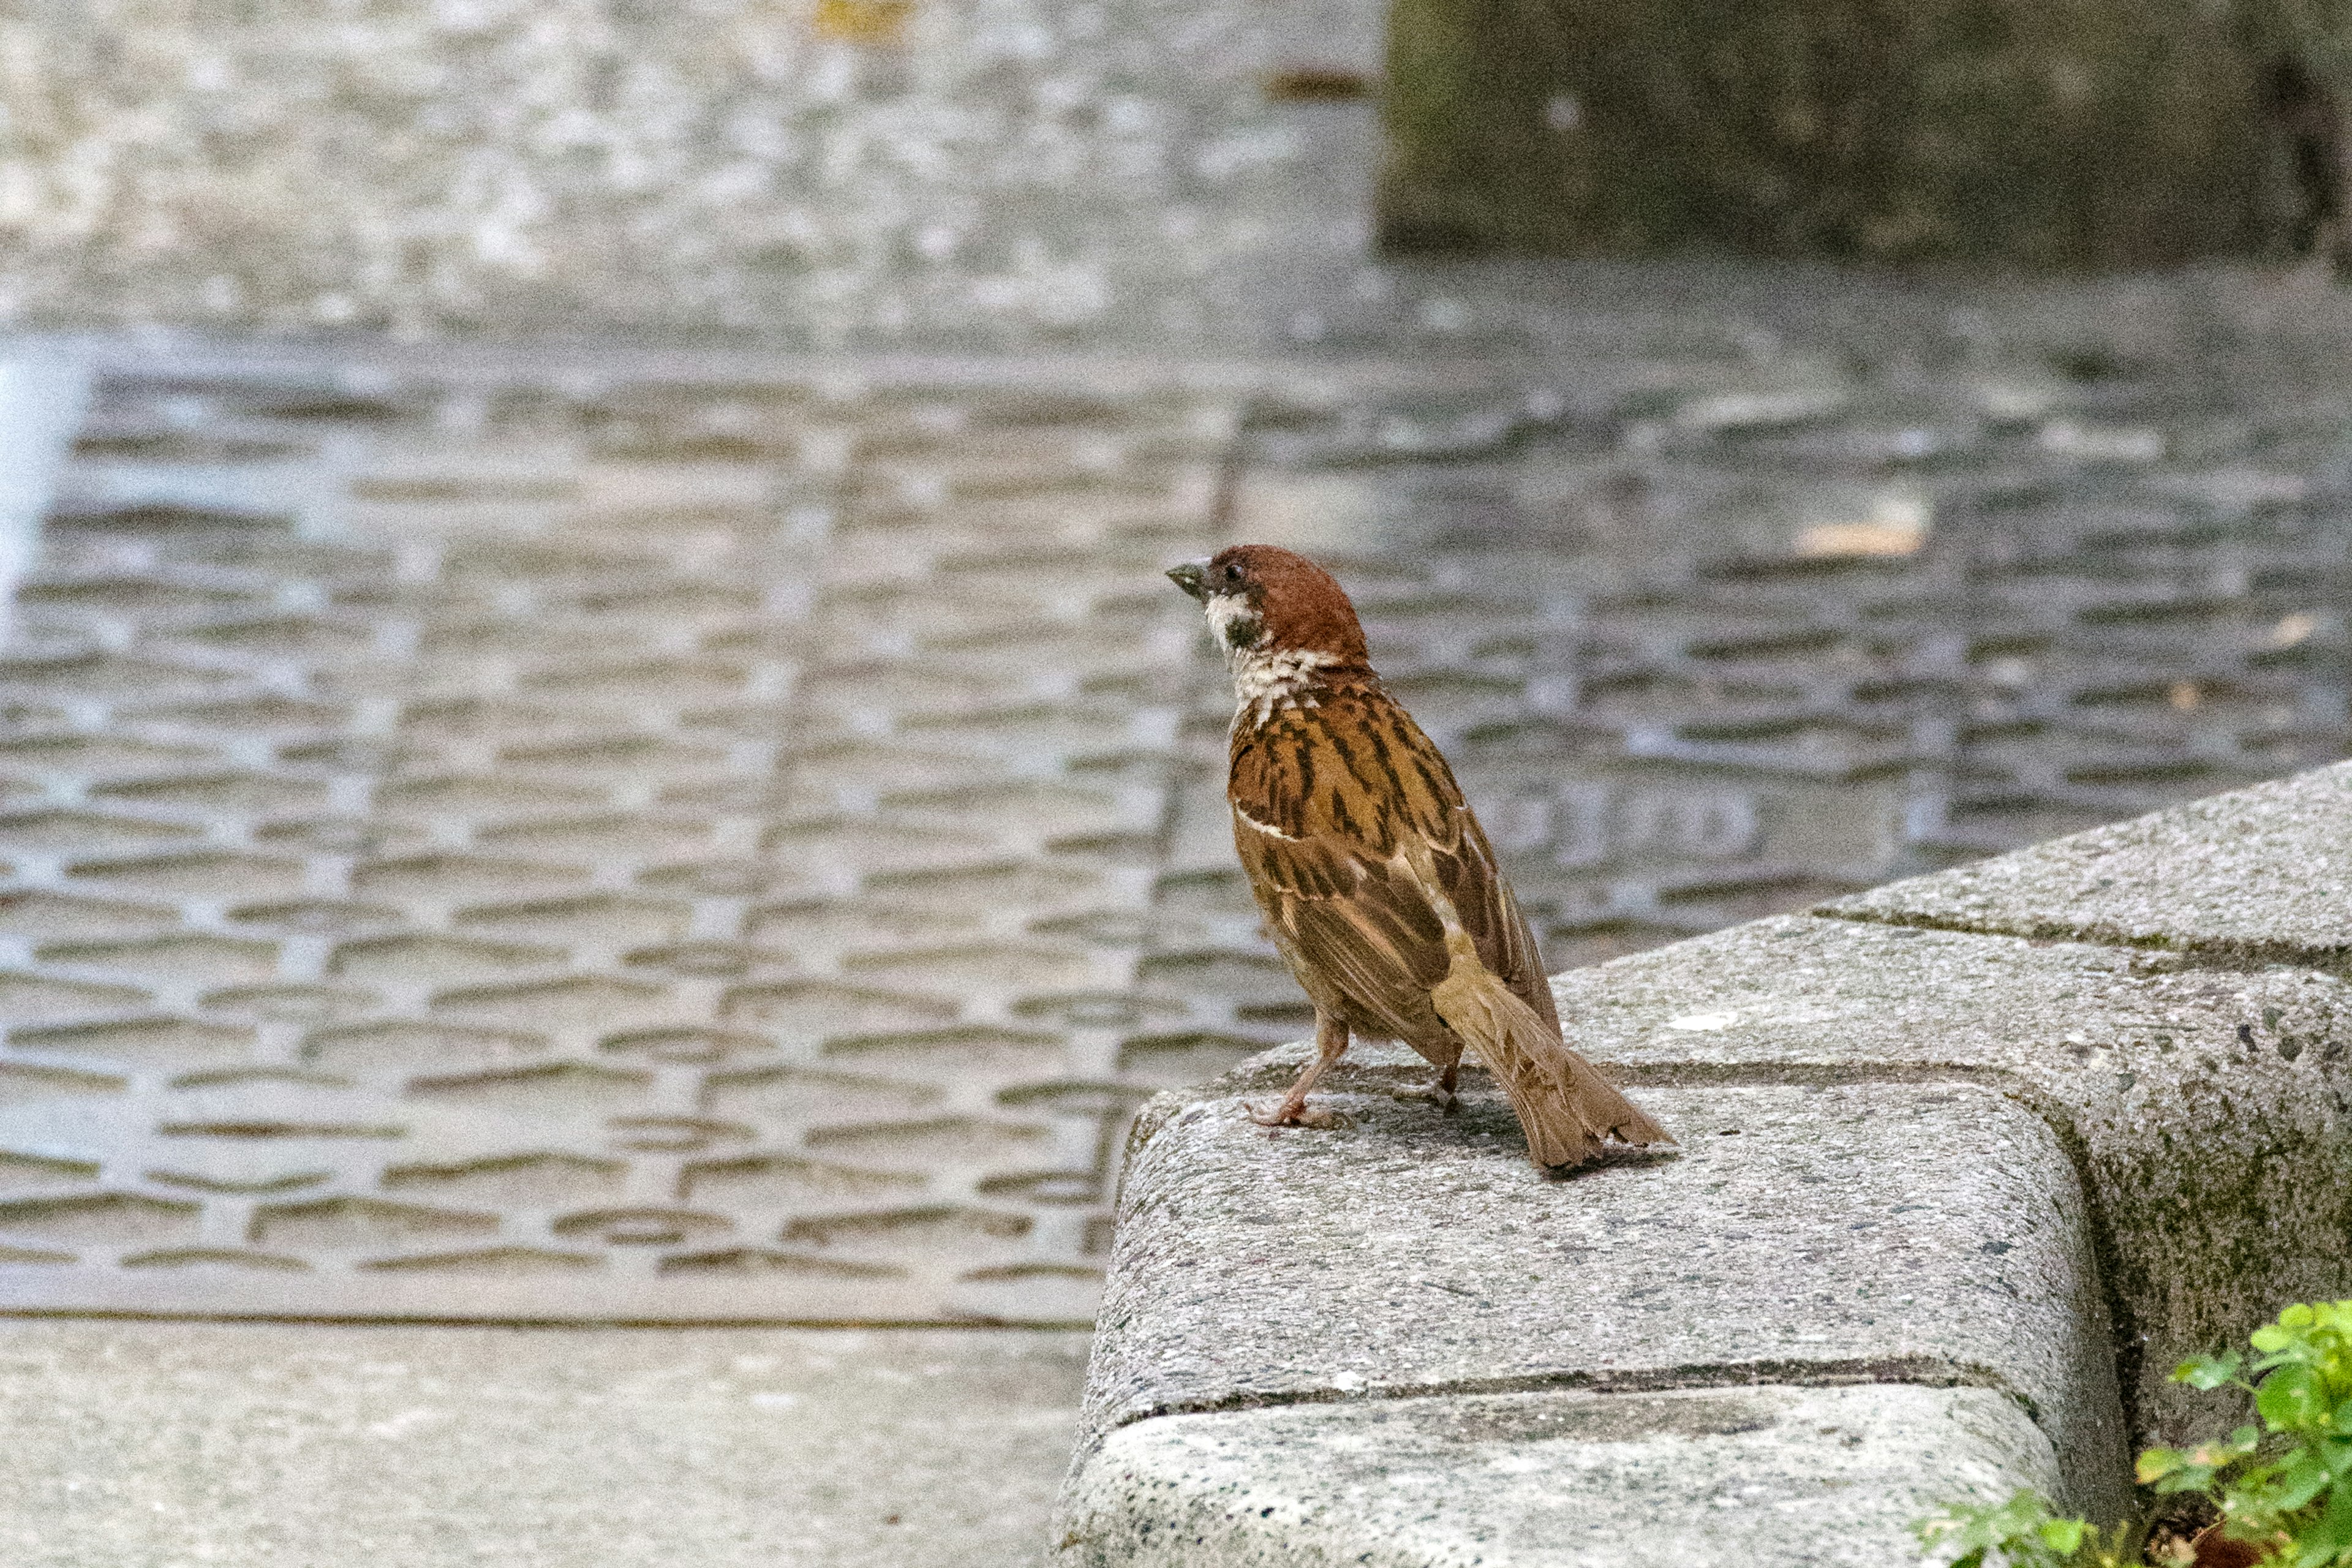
(1244, 631)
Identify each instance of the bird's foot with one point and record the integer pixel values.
(1298, 1114)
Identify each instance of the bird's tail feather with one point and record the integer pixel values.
(1564, 1105)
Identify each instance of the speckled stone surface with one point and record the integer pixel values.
(1881, 1232)
(973, 171)
(2263, 873)
(303, 1445)
(2206, 1107)
(1760, 1476)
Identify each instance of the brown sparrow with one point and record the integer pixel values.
(1376, 880)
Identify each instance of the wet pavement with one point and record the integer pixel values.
(1726, 607)
(639, 851)
(722, 838)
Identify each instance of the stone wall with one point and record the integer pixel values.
(2078, 134)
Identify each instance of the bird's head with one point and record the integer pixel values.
(1264, 600)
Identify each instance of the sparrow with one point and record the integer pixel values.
(1375, 880)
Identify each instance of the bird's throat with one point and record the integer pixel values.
(1268, 678)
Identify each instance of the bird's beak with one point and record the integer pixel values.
(1192, 577)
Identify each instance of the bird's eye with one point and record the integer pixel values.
(1232, 572)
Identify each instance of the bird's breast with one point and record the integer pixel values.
(1265, 680)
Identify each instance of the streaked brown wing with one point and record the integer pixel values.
(1347, 924)
(1490, 912)
(1324, 799)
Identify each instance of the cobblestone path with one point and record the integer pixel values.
(696, 840)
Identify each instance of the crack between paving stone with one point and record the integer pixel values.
(1921, 1372)
(526, 1323)
(2227, 957)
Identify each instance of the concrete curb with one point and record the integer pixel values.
(1949, 1206)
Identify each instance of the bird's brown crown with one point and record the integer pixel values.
(1300, 607)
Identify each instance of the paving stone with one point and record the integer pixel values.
(1876, 1232)
(287, 1444)
(2261, 874)
(2137, 1057)
(1757, 1474)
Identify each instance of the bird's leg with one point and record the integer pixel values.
(1330, 1045)
(1441, 1092)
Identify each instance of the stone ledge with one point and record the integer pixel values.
(1966, 1163)
(2261, 875)
(2133, 1058)
(1765, 1476)
(1878, 1232)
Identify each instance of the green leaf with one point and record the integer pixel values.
(2319, 1545)
(2063, 1534)
(2299, 1480)
(2328, 1538)
(2156, 1464)
(2293, 1398)
(2021, 1530)
(2207, 1371)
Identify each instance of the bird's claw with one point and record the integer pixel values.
(1289, 1115)
(1436, 1094)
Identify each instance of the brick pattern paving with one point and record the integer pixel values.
(595, 844)
(640, 853)
(1708, 640)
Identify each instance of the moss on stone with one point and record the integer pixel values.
(2051, 133)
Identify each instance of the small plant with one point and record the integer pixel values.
(2023, 1533)
(2285, 1485)
(2282, 1483)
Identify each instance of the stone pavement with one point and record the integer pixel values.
(648, 854)
(700, 836)
(303, 1446)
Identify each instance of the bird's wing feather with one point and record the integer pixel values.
(1490, 912)
(1325, 800)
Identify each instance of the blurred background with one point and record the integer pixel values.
(593, 731)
